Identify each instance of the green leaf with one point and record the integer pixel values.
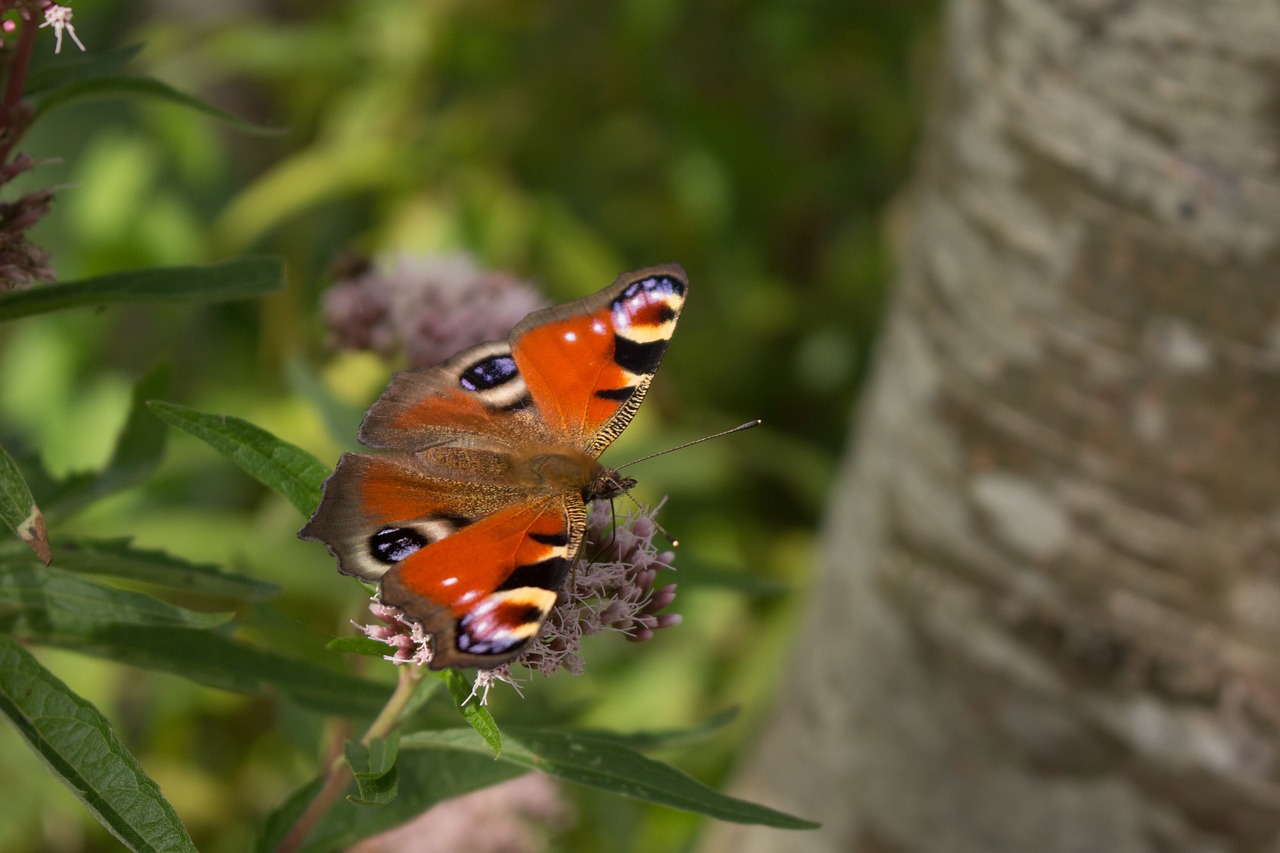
(57, 606)
(426, 779)
(210, 658)
(18, 510)
(119, 559)
(374, 767)
(476, 715)
(601, 762)
(139, 449)
(366, 646)
(277, 464)
(77, 744)
(51, 71)
(240, 278)
(98, 88)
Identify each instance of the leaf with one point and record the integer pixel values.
(669, 739)
(139, 449)
(476, 715)
(18, 510)
(374, 767)
(56, 606)
(427, 778)
(277, 464)
(240, 278)
(210, 658)
(99, 87)
(51, 71)
(119, 559)
(601, 762)
(78, 746)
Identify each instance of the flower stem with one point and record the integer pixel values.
(338, 774)
(11, 113)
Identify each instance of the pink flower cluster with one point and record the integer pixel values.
(426, 307)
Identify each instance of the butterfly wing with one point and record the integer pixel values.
(448, 521)
(587, 365)
(574, 374)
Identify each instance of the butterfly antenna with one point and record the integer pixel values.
(738, 428)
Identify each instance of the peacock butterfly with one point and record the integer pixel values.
(472, 518)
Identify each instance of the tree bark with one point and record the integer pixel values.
(1048, 616)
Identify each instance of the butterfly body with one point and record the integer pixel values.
(473, 515)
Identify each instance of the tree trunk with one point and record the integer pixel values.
(1048, 617)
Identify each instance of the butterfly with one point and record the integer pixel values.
(472, 517)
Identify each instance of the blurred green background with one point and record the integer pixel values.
(757, 143)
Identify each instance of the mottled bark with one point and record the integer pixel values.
(1048, 617)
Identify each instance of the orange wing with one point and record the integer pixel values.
(449, 522)
(588, 364)
(485, 591)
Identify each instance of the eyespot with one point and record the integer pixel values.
(489, 373)
(393, 544)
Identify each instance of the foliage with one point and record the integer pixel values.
(756, 144)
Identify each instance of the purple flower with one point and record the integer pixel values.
(22, 263)
(428, 307)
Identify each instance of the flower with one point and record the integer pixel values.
(21, 261)
(59, 17)
(611, 590)
(429, 307)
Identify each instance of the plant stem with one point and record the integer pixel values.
(338, 775)
(11, 114)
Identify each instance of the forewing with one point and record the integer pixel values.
(586, 365)
(477, 398)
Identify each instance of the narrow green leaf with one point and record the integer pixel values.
(56, 606)
(210, 658)
(98, 88)
(601, 762)
(240, 278)
(117, 558)
(476, 715)
(427, 778)
(139, 449)
(77, 744)
(359, 646)
(374, 767)
(18, 510)
(51, 71)
(277, 464)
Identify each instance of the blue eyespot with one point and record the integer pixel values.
(489, 373)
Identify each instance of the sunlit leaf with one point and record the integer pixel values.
(78, 746)
(277, 464)
(240, 278)
(601, 762)
(18, 510)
